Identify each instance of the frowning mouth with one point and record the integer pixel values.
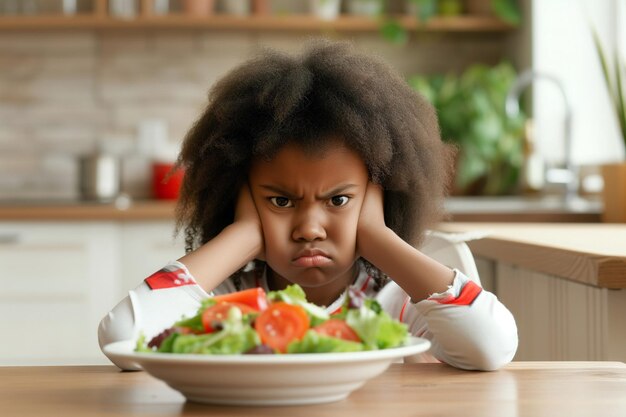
(310, 258)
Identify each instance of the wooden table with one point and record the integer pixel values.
(520, 389)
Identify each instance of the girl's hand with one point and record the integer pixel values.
(247, 214)
(229, 251)
(372, 217)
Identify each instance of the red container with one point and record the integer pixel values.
(165, 182)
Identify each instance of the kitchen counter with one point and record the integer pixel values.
(524, 209)
(137, 210)
(593, 254)
(462, 209)
(520, 389)
(589, 253)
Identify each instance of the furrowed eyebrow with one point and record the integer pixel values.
(338, 190)
(331, 193)
(279, 191)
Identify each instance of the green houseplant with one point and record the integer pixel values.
(472, 116)
(393, 31)
(614, 193)
(614, 82)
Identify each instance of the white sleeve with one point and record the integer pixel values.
(468, 327)
(149, 311)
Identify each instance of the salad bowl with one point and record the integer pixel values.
(276, 379)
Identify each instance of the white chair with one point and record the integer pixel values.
(451, 250)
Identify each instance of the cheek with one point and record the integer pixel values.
(344, 229)
(275, 228)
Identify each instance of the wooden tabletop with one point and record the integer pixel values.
(593, 254)
(520, 389)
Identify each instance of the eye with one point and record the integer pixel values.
(281, 202)
(339, 200)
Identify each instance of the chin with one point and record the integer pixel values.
(309, 278)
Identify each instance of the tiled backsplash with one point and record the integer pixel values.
(63, 92)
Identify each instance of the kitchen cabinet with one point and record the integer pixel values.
(564, 283)
(57, 280)
(559, 319)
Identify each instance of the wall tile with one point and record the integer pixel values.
(63, 92)
(51, 43)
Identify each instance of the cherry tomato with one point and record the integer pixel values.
(280, 324)
(218, 313)
(337, 328)
(254, 297)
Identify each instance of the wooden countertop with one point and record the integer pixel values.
(460, 209)
(520, 389)
(136, 210)
(593, 254)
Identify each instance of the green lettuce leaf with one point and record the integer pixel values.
(141, 345)
(377, 330)
(194, 323)
(237, 336)
(313, 342)
(294, 294)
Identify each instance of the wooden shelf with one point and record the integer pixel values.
(100, 21)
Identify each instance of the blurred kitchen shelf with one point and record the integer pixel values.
(100, 21)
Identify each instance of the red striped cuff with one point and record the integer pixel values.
(467, 296)
(168, 279)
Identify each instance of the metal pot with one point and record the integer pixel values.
(99, 177)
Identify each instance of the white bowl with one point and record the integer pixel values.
(288, 379)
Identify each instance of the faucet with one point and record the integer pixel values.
(569, 174)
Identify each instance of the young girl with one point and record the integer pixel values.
(318, 170)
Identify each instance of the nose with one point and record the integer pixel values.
(308, 226)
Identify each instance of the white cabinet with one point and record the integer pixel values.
(57, 280)
(559, 319)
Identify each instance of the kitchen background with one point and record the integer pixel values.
(84, 78)
(67, 92)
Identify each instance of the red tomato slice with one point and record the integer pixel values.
(218, 312)
(280, 324)
(337, 328)
(254, 297)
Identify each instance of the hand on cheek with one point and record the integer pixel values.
(372, 217)
(246, 213)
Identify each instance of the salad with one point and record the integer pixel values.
(252, 321)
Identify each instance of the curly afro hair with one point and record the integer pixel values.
(331, 90)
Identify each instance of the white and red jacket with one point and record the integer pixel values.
(467, 326)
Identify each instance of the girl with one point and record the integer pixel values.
(318, 170)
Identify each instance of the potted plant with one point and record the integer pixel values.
(506, 10)
(614, 174)
(472, 116)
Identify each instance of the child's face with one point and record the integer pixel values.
(309, 207)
